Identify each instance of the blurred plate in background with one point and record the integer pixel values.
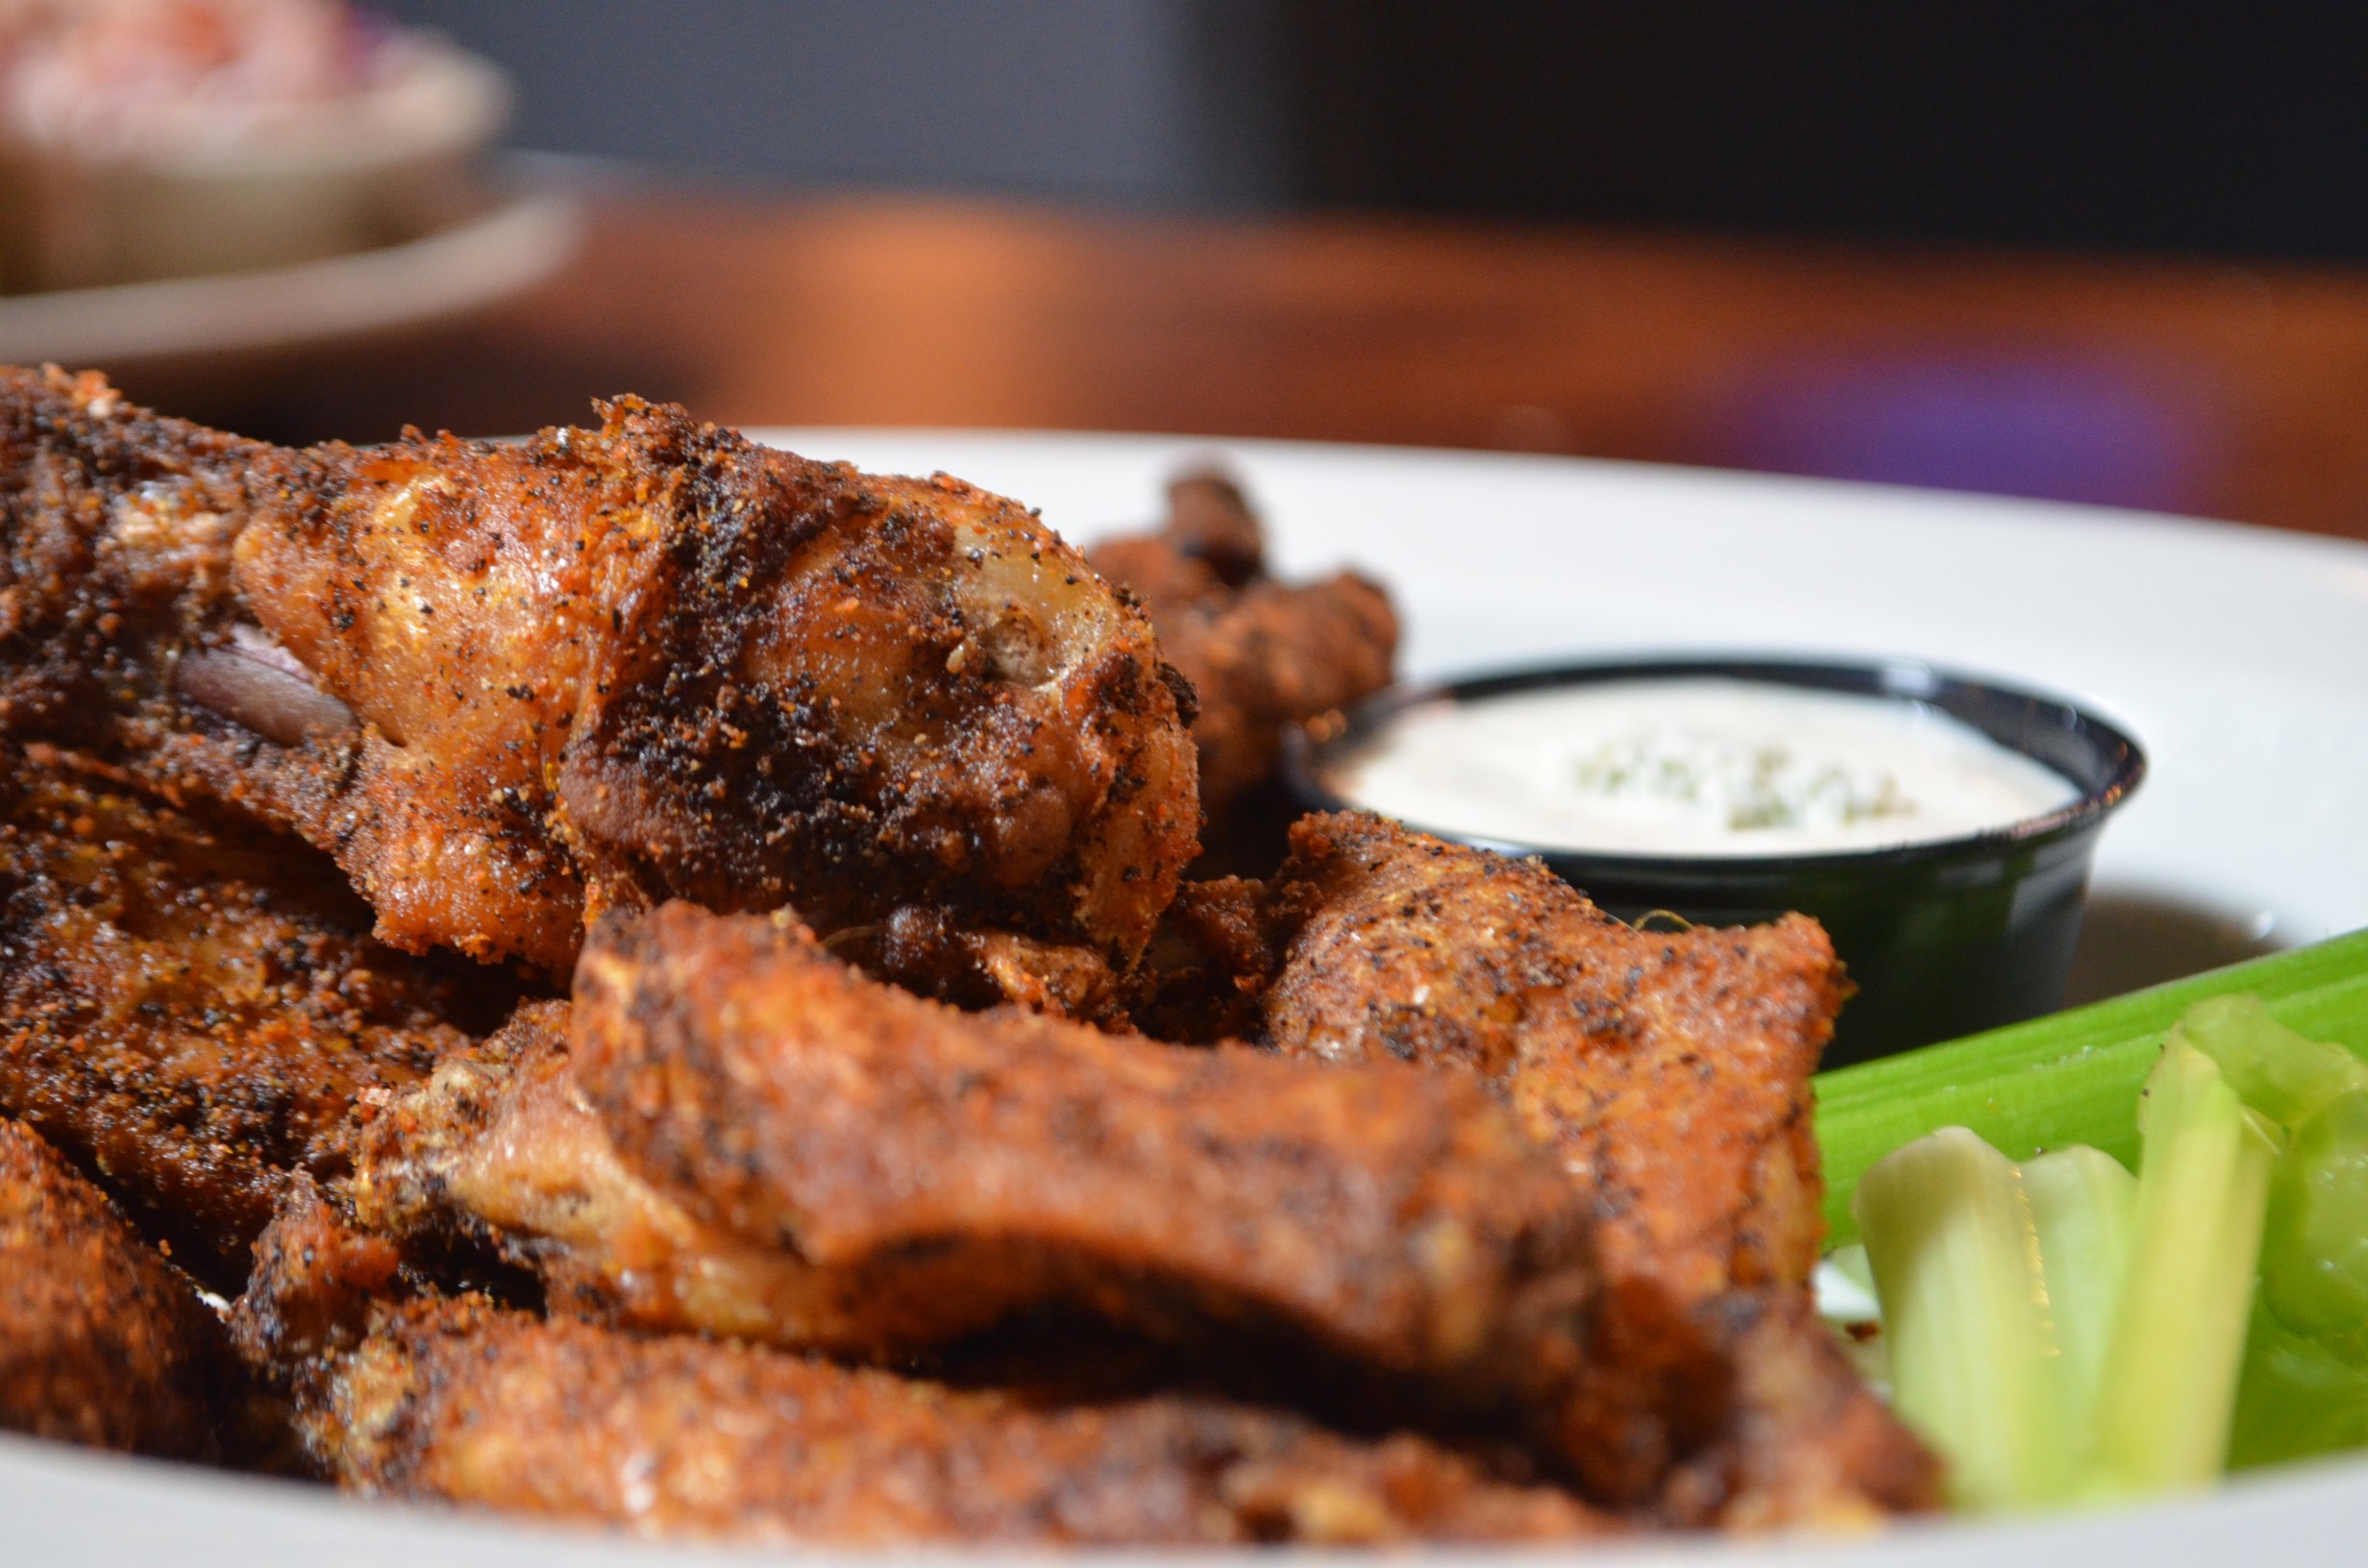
(465, 267)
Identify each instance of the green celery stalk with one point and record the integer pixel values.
(2177, 1341)
(2072, 1077)
(1965, 1312)
(2300, 1395)
(2277, 1071)
(2315, 1256)
(2083, 1206)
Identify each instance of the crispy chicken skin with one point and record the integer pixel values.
(805, 1158)
(502, 1149)
(189, 1006)
(459, 1400)
(471, 1404)
(118, 525)
(1204, 977)
(1670, 1069)
(1392, 1216)
(740, 1135)
(504, 685)
(1671, 1072)
(102, 1341)
(1260, 654)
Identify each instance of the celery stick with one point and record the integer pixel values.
(2301, 1394)
(2314, 1253)
(2274, 1071)
(2069, 1078)
(2169, 1385)
(2083, 1205)
(1972, 1352)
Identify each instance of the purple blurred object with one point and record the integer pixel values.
(2060, 430)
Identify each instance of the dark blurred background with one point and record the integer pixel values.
(2091, 252)
(2222, 129)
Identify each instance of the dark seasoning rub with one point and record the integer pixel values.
(859, 1130)
(739, 690)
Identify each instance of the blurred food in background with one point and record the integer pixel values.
(160, 138)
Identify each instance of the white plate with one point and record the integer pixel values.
(2238, 657)
(446, 274)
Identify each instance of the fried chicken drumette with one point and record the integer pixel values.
(102, 1341)
(506, 684)
(1261, 653)
(190, 1005)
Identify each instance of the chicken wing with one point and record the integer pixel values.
(102, 1341)
(506, 684)
(1670, 1069)
(1671, 1072)
(462, 1402)
(1260, 654)
(1395, 1215)
(1204, 977)
(190, 1006)
(745, 1136)
(501, 1149)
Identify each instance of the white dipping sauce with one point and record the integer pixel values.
(1695, 767)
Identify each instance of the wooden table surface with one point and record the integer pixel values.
(2224, 390)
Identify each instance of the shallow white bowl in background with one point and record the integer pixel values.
(309, 181)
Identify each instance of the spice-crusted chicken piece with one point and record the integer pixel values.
(102, 1341)
(1260, 654)
(500, 1149)
(189, 1006)
(467, 1404)
(931, 952)
(1671, 1072)
(459, 1400)
(1204, 977)
(1670, 1069)
(742, 1135)
(501, 1152)
(738, 1136)
(1393, 1215)
(505, 685)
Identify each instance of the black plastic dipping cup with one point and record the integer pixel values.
(1942, 938)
